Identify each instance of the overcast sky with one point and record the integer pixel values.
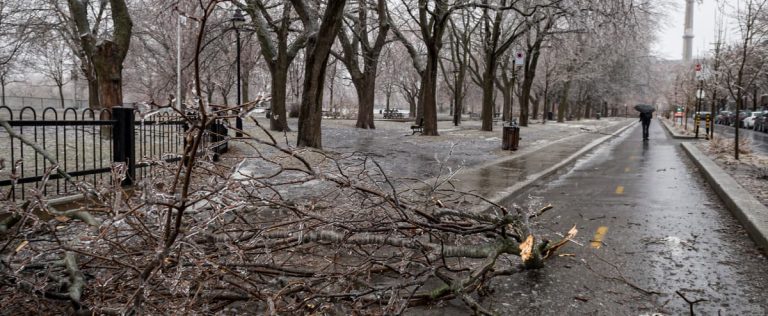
(669, 44)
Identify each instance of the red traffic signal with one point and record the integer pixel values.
(698, 67)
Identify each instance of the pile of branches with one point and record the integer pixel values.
(280, 230)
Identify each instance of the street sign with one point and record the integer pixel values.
(698, 68)
(700, 94)
(519, 58)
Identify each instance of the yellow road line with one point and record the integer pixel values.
(620, 189)
(597, 241)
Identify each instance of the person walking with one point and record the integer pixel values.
(645, 118)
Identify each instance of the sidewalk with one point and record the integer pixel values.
(475, 157)
(737, 183)
(405, 156)
(676, 131)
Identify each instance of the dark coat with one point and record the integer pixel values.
(646, 118)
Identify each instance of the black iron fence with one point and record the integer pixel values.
(86, 142)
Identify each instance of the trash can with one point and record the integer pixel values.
(550, 116)
(510, 138)
(219, 133)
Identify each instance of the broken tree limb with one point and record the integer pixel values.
(76, 279)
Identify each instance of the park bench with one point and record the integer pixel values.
(418, 128)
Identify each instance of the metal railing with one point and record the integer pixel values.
(73, 137)
(86, 142)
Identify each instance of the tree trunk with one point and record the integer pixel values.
(318, 49)
(563, 106)
(525, 96)
(2, 87)
(587, 111)
(486, 112)
(429, 91)
(278, 121)
(506, 94)
(61, 93)
(366, 92)
(93, 92)
(536, 102)
(531, 62)
(107, 56)
(459, 92)
(754, 99)
(109, 71)
(389, 96)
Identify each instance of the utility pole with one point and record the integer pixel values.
(688, 32)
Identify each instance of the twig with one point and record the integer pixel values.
(37, 148)
(690, 303)
(621, 277)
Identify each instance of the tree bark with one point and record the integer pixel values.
(61, 93)
(278, 120)
(359, 45)
(429, 90)
(563, 106)
(93, 92)
(531, 63)
(106, 56)
(273, 35)
(488, 86)
(318, 49)
(366, 92)
(109, 68)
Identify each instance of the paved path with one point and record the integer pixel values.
(664, 231)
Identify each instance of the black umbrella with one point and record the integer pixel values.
(645, 108)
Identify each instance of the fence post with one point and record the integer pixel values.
(123, 141)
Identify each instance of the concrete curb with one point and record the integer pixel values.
(505, 196)
(752, 214)
(674, 133)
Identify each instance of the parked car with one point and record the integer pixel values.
(722, 117)
(742, 116)
(761, 123)
(749, 121)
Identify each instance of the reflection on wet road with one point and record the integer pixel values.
(661, 231)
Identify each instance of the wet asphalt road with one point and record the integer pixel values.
(665, 232)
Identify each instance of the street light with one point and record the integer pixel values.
(237, 21)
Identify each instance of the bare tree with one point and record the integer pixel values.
(745, 64)
(359, 47)
(51, 57)
(456, 76)
(16, 25)
(105, 54)
(432, 19)
(274, 25)
(320, 38)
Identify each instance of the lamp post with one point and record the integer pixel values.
(237, 21)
